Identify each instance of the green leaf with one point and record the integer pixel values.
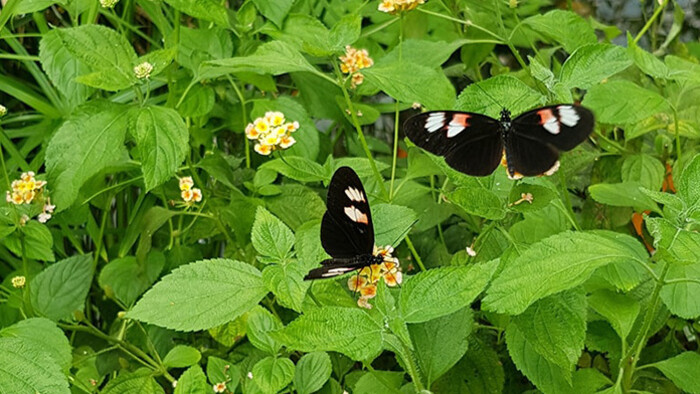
(306, 202)
(541, 195)
(38, 242)
(682, 370)
(26, 368)
(62, 67)
(299, 168)
(392, 223)
(307, 34)
(201, 295)
(625, 194)
(199, 45)
(688, 184)
(682, 70)
(42, 334)
(219, 370)
(479, 371)
(639, 103)
(410, 82)
(442, 291)
(547, 376)
(431, 54)
(557, 263)
(350, 331)
(199, 102)
(274, 58)
(591, 64)
(644, 169)
(274, 10)
(260, 322)
(162, 141)
(564, 27)
(312, 371)
(30, 6)
(507, 92)
(618, 309)
(209, 10)
(555, 327)
(440, 343)
(140, 381)
(683, 298)
(182, 356)
(286, 282)
(272, 374)
(379, 382)
(87, 143)
(675, 245)
(126, 279)
(648, 63)
(479, 202)
(192, 381)
(345, 32)
(270, 237)
(60, 289)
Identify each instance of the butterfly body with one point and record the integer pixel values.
(475, 144)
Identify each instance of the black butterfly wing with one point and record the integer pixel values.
(346, 229)
(471, 143)
(537, 136)
(334, 267)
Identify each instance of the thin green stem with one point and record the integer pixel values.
(396, 119)
(464, 22)
(651, 20)
(241, 98)
(415, 253)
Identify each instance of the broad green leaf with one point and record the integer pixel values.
(60, 289)
(38, 242)
(379, 382)
(89, 141)
(555, 327)
(192, 381)
(676, 245)
(440, 343)
(270, 237)
(306, 202)
(541, 73)
(591, 64)
(62, 67)
(479, 371)
(201, 295)
(210, 10)
(644, 169)
(307, 34)
(346, 31)
(682, 370)
(27, 368)
(312, 371)
(162, 141)
(541, 196)
(504, 91)
(479, 202)
(409, 83)
(42, 334)
(547, 376)
(639, 103)
(589, 380)
(350, 331)
(688, 184)
(426, 53)
(126, 279)
(274, 10)
(618, 309)
(140, 381)
(683, 298)
(392, 223)
(286, 282)
(308, 244)
(560, 262)
(219, 370)
(199, 102)
(182, 356)
(199, 45)
(274, 58)
(230, 333)
(299, 168)
(442, 291)
(625, 194)
(260, 322)
(682, 70)
(30, 6)
(564, 27)
(648, 63)
(272, 374)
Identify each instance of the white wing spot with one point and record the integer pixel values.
(454, 128)
(355, 214)
(568, 115)
(336, 271)
(552, 125)
(552, 170)
(354, 194)
(435, 121)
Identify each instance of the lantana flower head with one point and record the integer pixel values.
(395, 6)
(3, 110)
(353, 61)
(25, 189)
(219, 387)
(108, 3)
(143, 70)
(18, 281)
(365, 282)
(189, 193)
(271, 132)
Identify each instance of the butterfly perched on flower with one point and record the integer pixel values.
(347, 232)
(475, 144)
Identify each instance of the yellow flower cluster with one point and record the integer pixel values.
(394, 6)
(188, 193)
(366, 281)
(271, 132)
(353, 61)
(18, 281)
(25, 189)
(143, 70)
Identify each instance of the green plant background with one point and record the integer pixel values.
(126, 292)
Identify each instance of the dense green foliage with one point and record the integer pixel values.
(132, 283)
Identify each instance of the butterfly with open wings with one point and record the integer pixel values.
(475, 144)
(347, 232)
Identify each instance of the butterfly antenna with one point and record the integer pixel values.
(489, 95)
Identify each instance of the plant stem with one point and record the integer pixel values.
(415, 253)
(396, 119)
(651, 20)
